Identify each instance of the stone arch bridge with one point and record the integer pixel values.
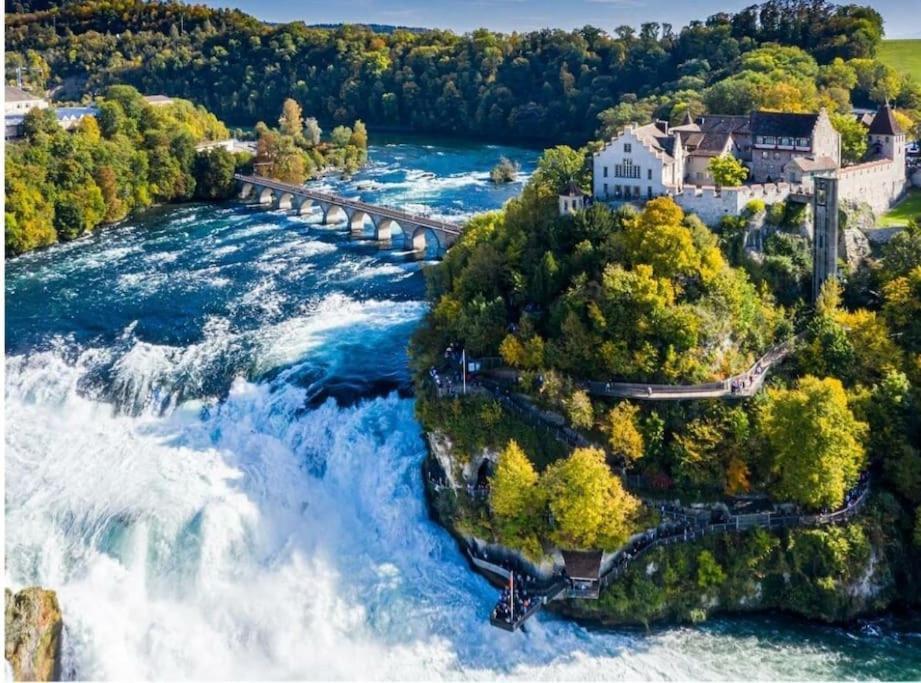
(403, 230)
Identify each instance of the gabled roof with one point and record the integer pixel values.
(813, 164)
(705, 144)
(654, 137)
(14, 94)
(884, 123)
(775, 123)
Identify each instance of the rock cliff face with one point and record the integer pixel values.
(33, 634)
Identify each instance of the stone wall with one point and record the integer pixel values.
(711, 204)
(878, 183)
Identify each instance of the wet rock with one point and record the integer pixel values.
(33, 634)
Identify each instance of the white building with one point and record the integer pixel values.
(783, 152)
(18, 101)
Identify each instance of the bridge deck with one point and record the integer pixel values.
(401, 217)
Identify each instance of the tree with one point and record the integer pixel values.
(588, 505)
(290, 120)
(359, 137)
(853, 137)
(727, 171)
(341, 136)
(312, 132)
(579, 409)
(813, 441)
(624, 435)
(515, 499)
(213, 172)
(560, 166)
(709, 572)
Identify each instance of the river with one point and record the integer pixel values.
(211, 455)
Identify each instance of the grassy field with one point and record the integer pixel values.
(899, 214)
(902, 55)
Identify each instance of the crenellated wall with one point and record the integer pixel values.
(878, 183)
(711, 204)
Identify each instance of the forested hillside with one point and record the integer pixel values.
(551, 85)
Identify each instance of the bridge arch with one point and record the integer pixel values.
(356, 219)
(246, 190)
(389, 230)
(332, 213)
(266, 194)
(283, 200)
(301, 205)
(427, 241)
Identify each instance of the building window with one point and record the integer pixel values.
(802, 142)
(649, 174)
(628, 148)
(649, 191)
(785, 142)
(605, 171)
(776, 155)
(605, 190)
(764, 155)
(626, 170)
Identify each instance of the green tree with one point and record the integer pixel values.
(853, 137)
(580, 411)
(727, 171)
(560, 166)
(813, 441)
(213, 172)
(589, 507)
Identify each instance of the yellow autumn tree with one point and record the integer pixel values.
(515, 500)
(814, 442)
(588, 505)
(624, 434)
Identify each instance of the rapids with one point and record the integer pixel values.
(211, 455)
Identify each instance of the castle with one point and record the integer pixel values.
(782, 151)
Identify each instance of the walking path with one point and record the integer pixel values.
(743, 385)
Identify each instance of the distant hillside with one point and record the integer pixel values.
(903, 55)
(377, 28)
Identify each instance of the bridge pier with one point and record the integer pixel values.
(246, 190)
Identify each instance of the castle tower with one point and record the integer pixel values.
(886, 138)
(825, 234)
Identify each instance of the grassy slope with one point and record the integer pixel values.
(907, 208)
(903, 55)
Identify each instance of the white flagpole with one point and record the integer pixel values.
(464, 369)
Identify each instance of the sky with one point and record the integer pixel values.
(902, 17)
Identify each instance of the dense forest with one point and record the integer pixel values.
(59, 184)
(550, 85)
(652, 295)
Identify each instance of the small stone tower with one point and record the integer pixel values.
(886, 138)
(825, 234)
(572, 199)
